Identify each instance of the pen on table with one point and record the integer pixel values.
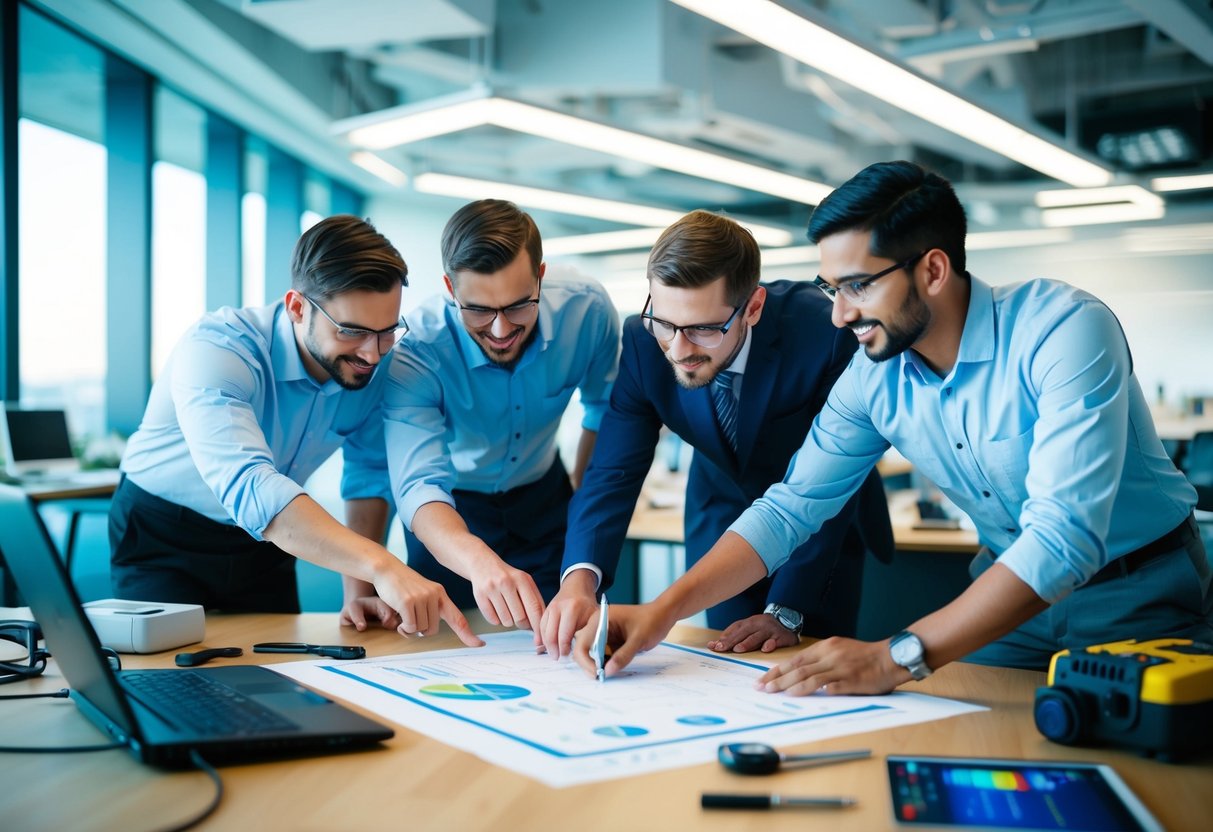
(709, 800)
(600, 641)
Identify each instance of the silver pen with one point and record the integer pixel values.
(598, 650)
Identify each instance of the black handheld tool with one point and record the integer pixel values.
(331, 651)
(204, 656)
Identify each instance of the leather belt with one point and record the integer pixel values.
(1127, 564)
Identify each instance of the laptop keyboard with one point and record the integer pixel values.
(203, 704)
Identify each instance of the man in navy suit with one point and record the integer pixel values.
(708, 321)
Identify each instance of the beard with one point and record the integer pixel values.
(335, 366)
(693, 382)
(505, 359)
(901, 333)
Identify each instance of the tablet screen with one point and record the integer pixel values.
(1012, 794)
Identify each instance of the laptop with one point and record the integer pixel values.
(38, 450)
(226, 714)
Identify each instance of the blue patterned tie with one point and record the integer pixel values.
(725, 404)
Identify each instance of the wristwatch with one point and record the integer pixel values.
(787, 617)
(907, 651)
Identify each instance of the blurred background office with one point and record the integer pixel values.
(160, 158)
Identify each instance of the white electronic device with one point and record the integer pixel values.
(145, 626)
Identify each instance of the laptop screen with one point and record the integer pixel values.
(70, 637)
(36, 441)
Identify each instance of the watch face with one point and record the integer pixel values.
(906, 649)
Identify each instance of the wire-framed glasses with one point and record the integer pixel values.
(855, 289)
(386, 338)
(702, 335)
(482, 317)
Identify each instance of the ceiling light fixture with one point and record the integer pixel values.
(411, 123)
(799, 35)
(626, 240)
(627, 213)
(373, 164)
(1191, 182)
(1092, 206)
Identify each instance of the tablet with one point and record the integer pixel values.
(954, 792)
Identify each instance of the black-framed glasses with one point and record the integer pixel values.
(24, 634)
(855, 289)
(702, 335)
(481, 317)
(386, 338)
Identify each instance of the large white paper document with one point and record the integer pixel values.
(673, 706)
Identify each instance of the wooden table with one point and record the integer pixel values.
(417, 783)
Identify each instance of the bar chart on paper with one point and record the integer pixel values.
(672, 707)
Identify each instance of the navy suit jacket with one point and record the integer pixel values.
(796, 355)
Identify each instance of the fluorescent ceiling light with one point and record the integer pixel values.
(1096, 214)
(985, 240)
(626, 213)
(629, 238)
(1178, 239)
(1091, 206)
(1193, 182)
(1096, 196)
(813, 44)
(791, 256)
(373, 164)
(411, 123)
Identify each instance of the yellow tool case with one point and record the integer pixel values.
(1153, 696)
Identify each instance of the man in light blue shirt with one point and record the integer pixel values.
(1020, 403)
(211, 509)
(474, 398)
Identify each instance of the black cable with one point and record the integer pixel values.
(62, 693)
(59, 749)
(209, 770)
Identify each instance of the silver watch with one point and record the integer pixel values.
(787, 617)
(908, 652)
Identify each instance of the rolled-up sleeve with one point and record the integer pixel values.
(213, 388)
(414, 430)
(603, 331)
(1080, 372)
(838, 452)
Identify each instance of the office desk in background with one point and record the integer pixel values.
(417, 783)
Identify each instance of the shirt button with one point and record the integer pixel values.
(518, 436)
(947, 391)
(1011, 530)
(985, 493)
(959, 446)
(518, 407)
(513, 459)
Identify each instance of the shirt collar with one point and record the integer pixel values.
(287, 362)
(976, 340)
(743, 356)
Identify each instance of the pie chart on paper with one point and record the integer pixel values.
(475, 691)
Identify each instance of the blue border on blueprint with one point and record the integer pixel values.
(635, 747)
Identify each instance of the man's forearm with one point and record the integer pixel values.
(304, 529)
(368, 517)
(444, 533)
(993, 605)
(729, 567)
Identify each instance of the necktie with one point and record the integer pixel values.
(725, 404)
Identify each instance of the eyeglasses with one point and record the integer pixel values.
(480, 317)
(24, 634)
(702, 335)
(855, 289)
(386, 338)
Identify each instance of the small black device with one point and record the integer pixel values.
(330, 651)
(203, 656)
(975, 793)
(759, 758)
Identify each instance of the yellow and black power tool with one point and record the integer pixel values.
(1152, 696)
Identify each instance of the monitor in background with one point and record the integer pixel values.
(36, 442)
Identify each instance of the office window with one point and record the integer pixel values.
(252, 223)
(317, 200)
(62, 223)
(178, 221)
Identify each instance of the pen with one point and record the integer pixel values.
(600, 641)
(709, 800)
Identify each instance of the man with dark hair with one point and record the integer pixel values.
(475, 396)
(707, 321)
(1020, 403)
(211, 509)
